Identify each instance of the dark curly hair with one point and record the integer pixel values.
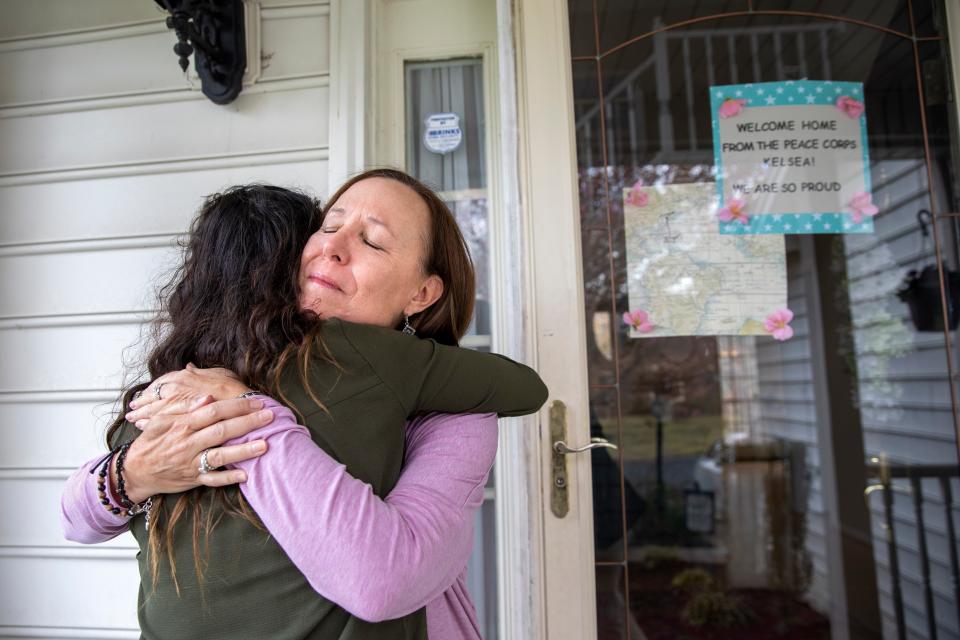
(233, 304)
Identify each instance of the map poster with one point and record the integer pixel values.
(684, 278)
(792, 157)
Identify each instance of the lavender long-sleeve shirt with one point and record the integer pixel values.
(379, 559)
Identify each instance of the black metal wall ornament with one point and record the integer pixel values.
(920, 290)
(213, 32)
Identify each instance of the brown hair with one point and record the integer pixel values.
(446, 256)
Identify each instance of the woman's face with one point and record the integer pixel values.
(365, 263)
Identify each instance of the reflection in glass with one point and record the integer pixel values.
(744, 459)
(472, 216)
(616, 504)
(893, 14)
(615, 621)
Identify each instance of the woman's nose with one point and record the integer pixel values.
(334, 247)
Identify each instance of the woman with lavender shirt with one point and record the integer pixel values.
(351, 547)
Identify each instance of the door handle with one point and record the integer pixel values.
(563, 448)
(559, 491)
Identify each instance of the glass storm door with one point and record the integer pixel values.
(763, 487)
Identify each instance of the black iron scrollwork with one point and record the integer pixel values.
(213, 32)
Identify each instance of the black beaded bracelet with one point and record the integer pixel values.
(129, 508)
(125, 500)
(102, 483)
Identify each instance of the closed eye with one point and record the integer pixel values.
(366, 240)
(370, 244)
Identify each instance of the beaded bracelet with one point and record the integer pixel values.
(125, 500)
(133, 509)
(129, 508)
(102, 483)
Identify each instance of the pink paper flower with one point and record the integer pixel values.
(735, 210)
(637, 196)
(731, 107)
(778, 324)
(861, 205)
(850, 106)
(639, 320)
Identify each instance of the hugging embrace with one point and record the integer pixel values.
(306, 449)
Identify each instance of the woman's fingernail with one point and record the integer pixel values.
(128, 416)
(255, 403)
(265, 415)
(259, 447)
(141, 423)
(133, 405)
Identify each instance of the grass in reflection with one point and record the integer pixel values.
(681, 437)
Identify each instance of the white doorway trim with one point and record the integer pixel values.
(519, 505)
(352, 96)
(549, 191)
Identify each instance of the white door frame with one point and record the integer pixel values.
(521, 587)
(549, 191)
(563, 605)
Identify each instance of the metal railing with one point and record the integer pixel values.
(885, 474)
(715, 43)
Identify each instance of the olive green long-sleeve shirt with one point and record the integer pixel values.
(251, 589)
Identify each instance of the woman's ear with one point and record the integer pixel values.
(428, 293)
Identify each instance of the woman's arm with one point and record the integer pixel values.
(82, 517)
(421, 374)
(164, 459)
(428, 376)
(378, 559)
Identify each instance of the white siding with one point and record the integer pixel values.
(903, 394)
(106, 151)
(904, 391)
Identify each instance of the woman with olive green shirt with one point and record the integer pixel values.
(252, 588)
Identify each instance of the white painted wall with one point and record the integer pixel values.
(106, 152)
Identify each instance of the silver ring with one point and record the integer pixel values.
(156, 392)
(204, 465)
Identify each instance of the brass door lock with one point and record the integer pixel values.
(559, 491)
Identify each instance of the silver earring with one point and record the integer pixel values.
(407, 329)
